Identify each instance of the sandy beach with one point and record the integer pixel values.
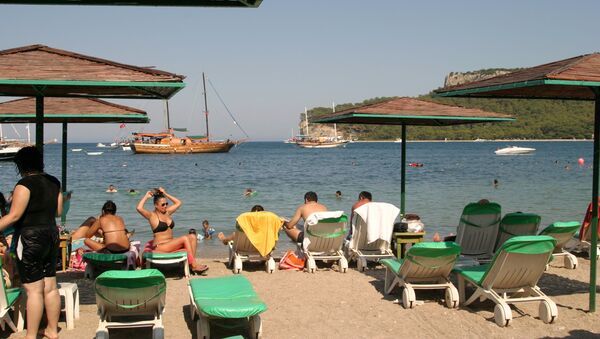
(329, 304)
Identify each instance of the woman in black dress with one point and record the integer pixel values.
(36, 203)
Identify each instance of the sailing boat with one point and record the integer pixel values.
(10, 147)
(167, 143)
(320, 142)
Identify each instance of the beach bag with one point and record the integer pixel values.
(414, 223)
(76, 261)
(291, 261)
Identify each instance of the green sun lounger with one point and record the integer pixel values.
(230, 297)
(11, 299)
(562, 232)
(100, 262)
(427, 265)
(515, 224)
(135, 298)
(157, 259)
(324, 235)
(511, 277)
(477, 230)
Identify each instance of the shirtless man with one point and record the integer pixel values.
(310, 206)
(363, 198)
(113, 229)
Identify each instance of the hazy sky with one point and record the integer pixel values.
(271, 62)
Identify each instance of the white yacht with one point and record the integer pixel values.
(511, 150)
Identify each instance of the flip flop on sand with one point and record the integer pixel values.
(201, 270)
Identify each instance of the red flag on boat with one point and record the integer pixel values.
(122, 126)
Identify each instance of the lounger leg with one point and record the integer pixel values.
(255, 327)
(461, 289)
(186, 268)
(10, 323)
(102, 331)
(478, 293)
(203, 327)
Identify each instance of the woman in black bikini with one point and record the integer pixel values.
(162, 226)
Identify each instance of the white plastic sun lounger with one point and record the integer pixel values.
(427, 265)
(324, 234)
(359, 248)
(478, 228)
(511, 277)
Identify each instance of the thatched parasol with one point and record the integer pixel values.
(576, 78)
(410, 111)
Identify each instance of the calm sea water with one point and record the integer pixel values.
(211, 186)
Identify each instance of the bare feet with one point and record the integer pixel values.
(46, 333)
(199, 268)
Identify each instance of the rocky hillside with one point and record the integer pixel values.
(457, 78)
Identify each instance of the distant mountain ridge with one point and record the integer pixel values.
(535, 119)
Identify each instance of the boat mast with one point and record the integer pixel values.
(167, 122)
(306, 115)
(28, 135)
(205, 106)
(334, 125)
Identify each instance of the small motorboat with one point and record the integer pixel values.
(511, 150)
(126, 148)
(100, 145)
(76, 149)
(94, 153)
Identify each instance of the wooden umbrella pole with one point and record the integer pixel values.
(594, 230)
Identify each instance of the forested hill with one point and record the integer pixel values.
(535, 119)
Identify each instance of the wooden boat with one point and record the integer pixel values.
(306, 141)
(168, 143)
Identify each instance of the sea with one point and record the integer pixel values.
(549, 182)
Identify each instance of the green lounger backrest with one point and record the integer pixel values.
(562, 227)
(562, 232)
(104, 257)
(429, 260)
(515, 224)
(329, 227)
(528, 245)
(476, 208)
(130, 280)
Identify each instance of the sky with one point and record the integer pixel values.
(269, 63)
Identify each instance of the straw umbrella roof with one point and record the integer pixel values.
(571, 78)
(71, 110)
(170, 3)
(410, 111)
(41, 70)
(576, 78)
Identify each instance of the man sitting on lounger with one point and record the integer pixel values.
(113, 229)
(310, 206)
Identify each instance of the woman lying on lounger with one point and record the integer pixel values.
(162, 226)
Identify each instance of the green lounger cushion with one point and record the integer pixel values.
(520, 218)
(174, 255)
(562, 227)
(527, 244)
(226, 297)
(12, 294)
(131, 279)
(392, 264)
(473, 273)
(104, 257)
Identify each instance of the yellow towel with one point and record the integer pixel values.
(261, 228)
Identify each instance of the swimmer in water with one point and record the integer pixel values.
(496, 183)
(249, 192)
(338, 194)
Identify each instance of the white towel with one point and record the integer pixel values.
(380, 217)
(314, 218)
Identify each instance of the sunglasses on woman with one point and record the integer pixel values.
(164, 204)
